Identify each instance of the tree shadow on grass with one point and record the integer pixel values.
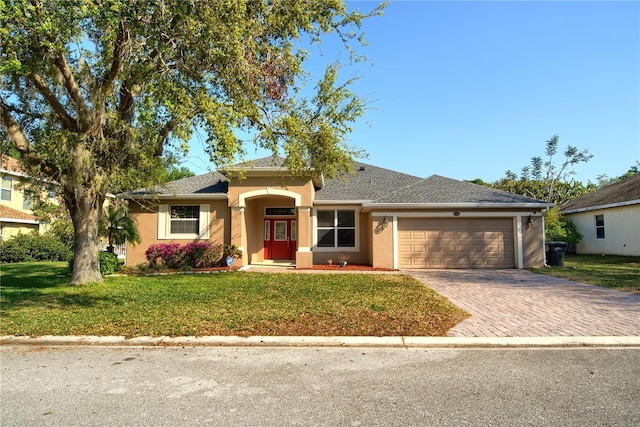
(42, 285)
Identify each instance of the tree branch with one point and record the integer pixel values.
(116, 64)
(163, 135)
(73, 89)
(68, 121)
(14, 130)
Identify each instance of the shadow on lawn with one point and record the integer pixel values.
(42, 285)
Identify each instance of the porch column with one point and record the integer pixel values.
(304, 256)
(238, 235)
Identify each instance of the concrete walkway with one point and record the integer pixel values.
(518, 303)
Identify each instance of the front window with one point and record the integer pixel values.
(600, 226)
(185, 219)
(336, 228)
(5, 191)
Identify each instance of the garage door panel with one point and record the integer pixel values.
(456, 243)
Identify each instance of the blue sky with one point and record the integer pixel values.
(470, 89)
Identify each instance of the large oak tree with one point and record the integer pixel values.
(96, 93)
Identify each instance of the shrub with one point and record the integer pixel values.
(33, 247)
(109, 262)
(176, 256)
(171, 255)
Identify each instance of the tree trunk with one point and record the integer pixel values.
(85, 210)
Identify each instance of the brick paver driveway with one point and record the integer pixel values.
(518, 303)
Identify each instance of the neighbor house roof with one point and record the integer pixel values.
(9, 164)
(622, 193)
(8, 214)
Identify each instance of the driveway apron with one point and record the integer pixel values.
(519, 303)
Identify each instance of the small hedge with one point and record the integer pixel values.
(33, 247)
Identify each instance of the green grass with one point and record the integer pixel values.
(616, 272)
(35, 300)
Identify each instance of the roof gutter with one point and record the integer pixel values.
(372, 206)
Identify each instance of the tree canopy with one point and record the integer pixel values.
(95, 95)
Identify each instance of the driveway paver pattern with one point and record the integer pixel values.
(519, 303)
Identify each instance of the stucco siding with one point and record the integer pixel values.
(146, 216)
(621, 229)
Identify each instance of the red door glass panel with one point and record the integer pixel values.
(278, 243)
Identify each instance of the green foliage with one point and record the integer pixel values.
(58, 220)
(560, 229)
(33, 247)
(98, 95)
(109, 262)
(117, 226)
(547, 180)
(174, 173)
(232, 251)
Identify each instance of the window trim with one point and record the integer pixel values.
(356, 227)
(164, 223)
(600, 227)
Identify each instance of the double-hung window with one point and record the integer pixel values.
(183, 221)
(5, 191)
(600, 226)
(336, 228)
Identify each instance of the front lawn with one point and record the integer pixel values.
(616, 272)
(35, 300)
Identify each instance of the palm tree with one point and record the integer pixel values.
(117, 226)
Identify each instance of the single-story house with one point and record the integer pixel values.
(608, 218)
(377, 217)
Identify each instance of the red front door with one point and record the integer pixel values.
(280, 239)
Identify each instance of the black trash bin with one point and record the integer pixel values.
(555, 253)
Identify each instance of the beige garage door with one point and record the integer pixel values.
(455, 243)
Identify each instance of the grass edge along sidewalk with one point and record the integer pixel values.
(35, 300)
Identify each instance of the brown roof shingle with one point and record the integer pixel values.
(621, 192)
(10, 213)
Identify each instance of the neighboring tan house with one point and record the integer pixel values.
(15, 203)
(378, 217)
(608, 218)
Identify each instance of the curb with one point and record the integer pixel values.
(343, 341)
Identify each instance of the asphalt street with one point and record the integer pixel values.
(172, 386)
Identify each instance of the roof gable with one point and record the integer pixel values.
(626, 191)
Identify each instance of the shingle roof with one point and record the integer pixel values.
(10, 213)
(440, 190)
(367, 183)
(621, 192)
(208, 183)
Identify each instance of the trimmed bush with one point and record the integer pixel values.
(33, 247)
